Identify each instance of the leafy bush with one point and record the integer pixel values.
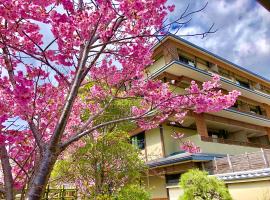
(133, 192)
(197, 185)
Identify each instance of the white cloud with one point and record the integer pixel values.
(243, 35)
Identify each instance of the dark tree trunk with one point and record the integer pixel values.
(7, 171)
(40, 180)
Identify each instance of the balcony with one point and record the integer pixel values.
(242, 162)
(211, 68)
(180, 69)
(234, 142)
(251, 113)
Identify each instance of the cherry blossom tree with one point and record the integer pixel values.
(50, 50)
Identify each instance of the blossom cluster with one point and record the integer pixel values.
(111, 41)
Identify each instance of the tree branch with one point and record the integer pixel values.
(7, 172)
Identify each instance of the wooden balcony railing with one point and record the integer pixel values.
(234, 142)
(241, 162)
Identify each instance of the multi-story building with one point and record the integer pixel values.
(241, 129)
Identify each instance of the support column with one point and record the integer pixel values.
(162, 140)
(268, 132)
(201, 125)
(267, 109)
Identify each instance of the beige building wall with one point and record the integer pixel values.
(175, 192)
(259, 190)
(171, 144)
(218, 148)
(156, 185)
(153, 144)
(160, 62)
(256, 190)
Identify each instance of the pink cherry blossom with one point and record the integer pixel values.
(92, 54)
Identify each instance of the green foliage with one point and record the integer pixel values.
(104, 197)
(107, 163)
(104, 165)
(116, 109)
(128, 192)
(133, 192)
(198, 185)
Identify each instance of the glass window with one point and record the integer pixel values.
(187, 59)
(214, 133)
(139, 140)
(255, 109)
(172, 178)
(243, 83)
(183, 59)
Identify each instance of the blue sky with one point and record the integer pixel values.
(243, 34)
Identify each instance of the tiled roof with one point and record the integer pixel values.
(259, 173)
(180, 157)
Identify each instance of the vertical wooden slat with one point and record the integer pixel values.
(63, 192)
(264, 158)
(76, 193)
(248, 161)
(230, 163)
(215, 161)
(47, 192)
(203, 167)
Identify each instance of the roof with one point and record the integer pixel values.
(211, 54)
(252, 174)
(182, 157)
(265, 4)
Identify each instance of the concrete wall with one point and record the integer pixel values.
(160, 62)
(175, 192)
(211, 147)
(259, 190)
(153, 144)
(156, 185)
(239, 136)
(171, 144)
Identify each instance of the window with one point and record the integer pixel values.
(243, 83)
(186, 61)
(218, 133)
(235, 105)
(255, 109)
(224, 72)
(139, 140)
(172, 179)
(183, 60)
